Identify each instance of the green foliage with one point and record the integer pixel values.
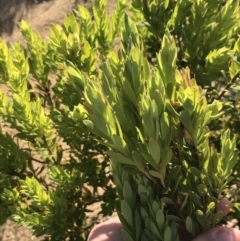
(204, 32)
(163, 140)
(51, 162)
(137, 89)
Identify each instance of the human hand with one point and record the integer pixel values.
(110, 230)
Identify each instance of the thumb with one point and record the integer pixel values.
(220, 234)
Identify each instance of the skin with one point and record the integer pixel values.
(110, 230)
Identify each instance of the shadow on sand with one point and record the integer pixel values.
(12, 11)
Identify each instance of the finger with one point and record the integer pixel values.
(109, 230)
(224, 206)
(220, 234)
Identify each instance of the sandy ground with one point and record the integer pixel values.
(40, 14)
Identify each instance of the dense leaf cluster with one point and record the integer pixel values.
(134, 94)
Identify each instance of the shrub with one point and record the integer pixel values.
(52, 168)
(135, 87)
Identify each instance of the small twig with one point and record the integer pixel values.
(230, 83)
(38, 161)
(45, 142)
(98, 199)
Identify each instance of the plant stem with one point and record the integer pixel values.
(230, 83)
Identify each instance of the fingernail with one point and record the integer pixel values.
(224, 235)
